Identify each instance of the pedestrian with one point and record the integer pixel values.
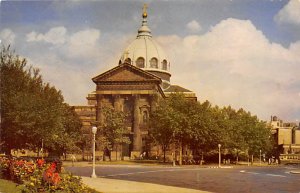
(141, 156)
(73, 158)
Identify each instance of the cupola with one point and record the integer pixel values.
(146, 54)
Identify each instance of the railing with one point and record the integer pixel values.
(289, 158)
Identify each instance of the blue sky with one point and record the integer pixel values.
(243, 53)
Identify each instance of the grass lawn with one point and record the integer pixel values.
(9, 187)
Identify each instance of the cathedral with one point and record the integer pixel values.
(134, 85)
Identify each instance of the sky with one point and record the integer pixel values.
(242, 53)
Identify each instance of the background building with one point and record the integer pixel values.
(286, 135)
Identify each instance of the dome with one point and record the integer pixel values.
(146, 54)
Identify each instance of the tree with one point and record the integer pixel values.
(163, 124)
(32, 111)
(113, 128)
(206, 130)
(244, 132)
(70, 137)
(202, 127)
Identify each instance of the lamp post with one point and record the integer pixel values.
(94, 130)
(42, 150)
(260, 157)
(219, 145)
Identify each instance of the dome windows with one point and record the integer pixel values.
(128, 60)
(140, 62)
(164, 65)
(153, 63)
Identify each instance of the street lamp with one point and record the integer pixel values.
(42, 150)
(260, 157)
(219, 145)
(94, 130)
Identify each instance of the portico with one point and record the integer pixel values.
(133, 91)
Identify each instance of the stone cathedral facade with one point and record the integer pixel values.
(133, 86)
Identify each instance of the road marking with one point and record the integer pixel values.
(144, 172)
(276, 175)
(243, 171)
(255, 173)
(151, 171)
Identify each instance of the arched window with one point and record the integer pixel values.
(153, 63)
(140, 62)
(128, 60)
(164, 65)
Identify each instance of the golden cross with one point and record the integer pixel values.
(145, 10)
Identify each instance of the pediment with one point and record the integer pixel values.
(125, 73)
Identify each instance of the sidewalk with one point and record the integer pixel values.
(106, 185)
(295, 171)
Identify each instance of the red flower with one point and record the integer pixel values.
(55, 178)
(49, 175)
(53, 166)
(40, 162)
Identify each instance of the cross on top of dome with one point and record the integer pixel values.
(144, 29)
(145, 10)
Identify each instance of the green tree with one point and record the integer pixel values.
(206, 130)
(69, 138)
(163, 123)
(113, 128)
(244, 133)
(32, 111)
(171, 122)
(202, 127)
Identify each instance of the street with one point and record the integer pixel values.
(237, 179)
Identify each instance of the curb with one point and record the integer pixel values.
(295, 172)
(222, 167)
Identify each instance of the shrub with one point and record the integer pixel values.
(40, 176)
(4, 167)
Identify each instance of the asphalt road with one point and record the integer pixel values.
(223, 180)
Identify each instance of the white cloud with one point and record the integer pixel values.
(290, 13)
(71, 60)
(235, 64)
(56, 35)
(84, 43)
(74, 83)
(7, 36)
(193, 26)
(77, 45)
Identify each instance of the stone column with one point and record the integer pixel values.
(100, 103)
(153, 103)
(117, 102)
(137, 139)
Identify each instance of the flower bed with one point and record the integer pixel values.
(39, 176)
